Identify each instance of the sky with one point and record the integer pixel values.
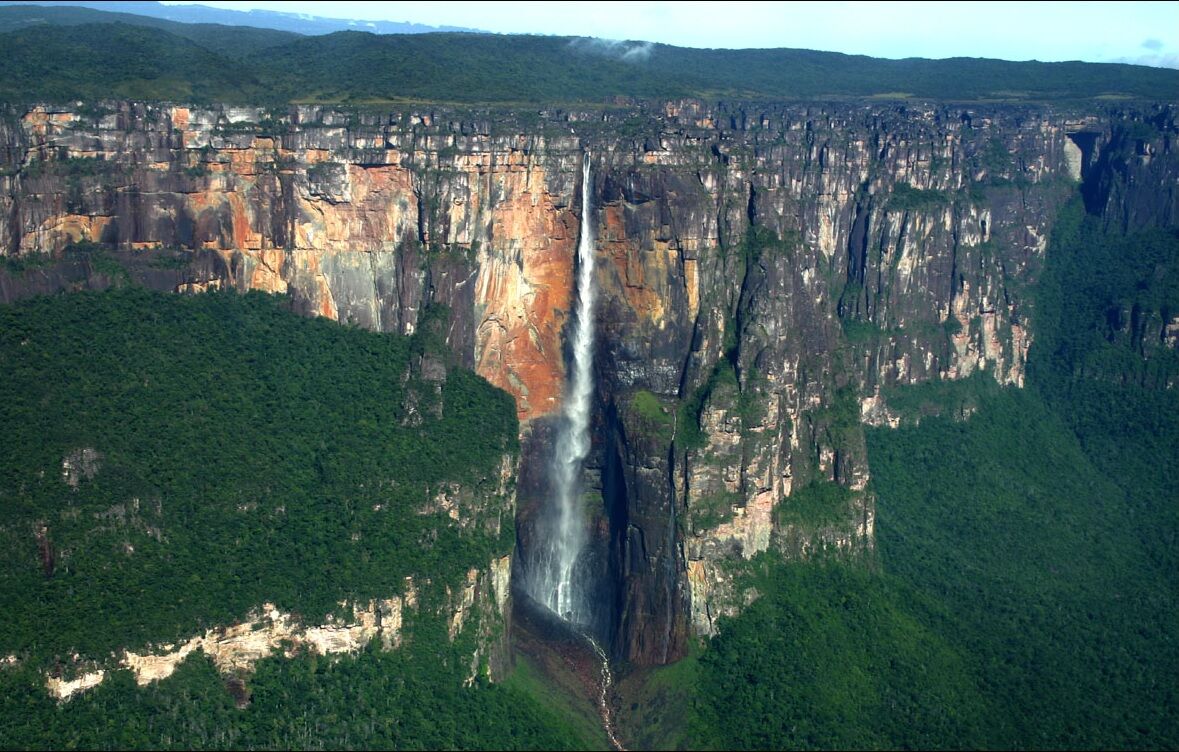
(1145, 33)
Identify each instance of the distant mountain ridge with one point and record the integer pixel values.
(52, 53)
(231, 41)
(297, 23)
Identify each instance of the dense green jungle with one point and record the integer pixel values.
(1022, 593)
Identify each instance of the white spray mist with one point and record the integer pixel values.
(554, 583)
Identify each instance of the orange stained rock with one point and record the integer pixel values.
(244, 236)
(392, 180)
(243, 161)
(692, 287)
(36, 121)
(267, 275)
(180, 117)
(523, 292)
(240, 235)
(327, 306)
(614, 224)
(381, 209)
(327, 302)
(57, 232)
(198, 202)
(698, 574)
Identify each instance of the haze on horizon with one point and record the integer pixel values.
(1142, 33)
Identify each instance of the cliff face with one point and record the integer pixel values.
(763, 272)
(235, 649)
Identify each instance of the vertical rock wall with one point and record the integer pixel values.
(764, 270)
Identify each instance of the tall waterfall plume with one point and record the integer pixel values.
(554, 580)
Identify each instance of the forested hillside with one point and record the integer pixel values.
(230, 41)
(172, 462)
(59, 55)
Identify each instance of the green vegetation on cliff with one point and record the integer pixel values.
(833, 656)
(1022, 596)
(243, 455)
(221, 452)
(409, 698)
(1104, 304)
(1022, 593)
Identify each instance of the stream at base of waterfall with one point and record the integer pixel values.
(552, 577)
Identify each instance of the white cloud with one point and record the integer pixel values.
(630, 52)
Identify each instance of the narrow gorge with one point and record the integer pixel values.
(696, 308)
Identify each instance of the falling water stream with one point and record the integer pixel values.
(553, 581)
(604, 694)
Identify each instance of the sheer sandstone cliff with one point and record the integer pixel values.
(764, 270)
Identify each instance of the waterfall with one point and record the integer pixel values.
(553, 581)
(604, 695)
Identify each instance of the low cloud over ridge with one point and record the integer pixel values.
(629, 52)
